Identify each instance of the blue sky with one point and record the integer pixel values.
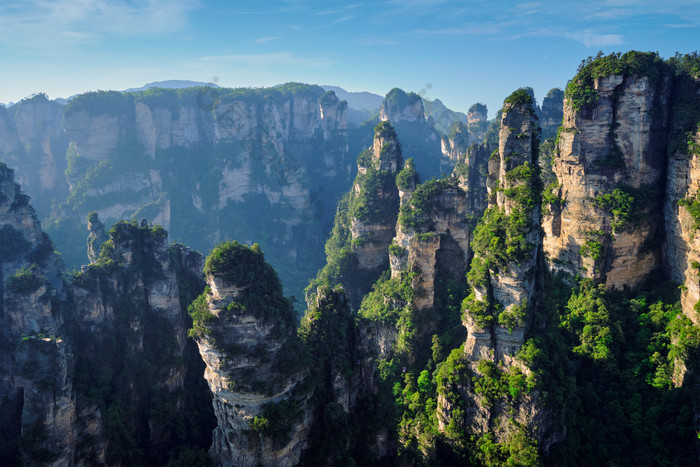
(458, 51)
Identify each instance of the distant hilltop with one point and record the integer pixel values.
(172, 84)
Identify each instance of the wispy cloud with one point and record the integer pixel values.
(591, 39)
(338, 11)
(265, 40)
(335, 21)
(41, 23)
(469, 29)
(275, 59)
(377, 42)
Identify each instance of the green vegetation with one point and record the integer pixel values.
(201, 316)
(246, 268)
(692, 204)
(408, 178)
(501, 238)
(388, 298)
(367, 205)
(25, 280)
(625, 348)
(513, 317)
(415, 213)
(580, 90)
(397, 98)
(618, 203)
(520, 97)
(593, 249)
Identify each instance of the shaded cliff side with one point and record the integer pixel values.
(98, 371)
(133, 361)
(38, 415)
(357, 251)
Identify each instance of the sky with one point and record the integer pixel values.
(460, 52)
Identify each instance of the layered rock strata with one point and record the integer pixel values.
(611, 159)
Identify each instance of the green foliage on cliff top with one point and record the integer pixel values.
(519, 97)
(407, 178)
(423, 202)
(478, 108)
(245, 267)
(371, 204)
(580, 90)
(237, 263)
(401, 99)
(328, 98)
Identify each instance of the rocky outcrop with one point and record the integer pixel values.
(457, 143)
(34, 145)
(419, 137)
(432, 232)
(96, 238)
(376, 201)
(136, 293)
(244, 328)
(498, 312)
(502, 276)
(36, 384)
(611, 157)
(366, 220)
(400, 106)
(471, 172)
(551, 113)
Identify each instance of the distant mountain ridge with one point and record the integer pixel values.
(172, 84)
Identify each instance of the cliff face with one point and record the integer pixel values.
(419, 138)
(551, 113)
(681, 249)
(195, 160)
(502, 274)
(432, 232)
(244, 328)
(366, 220)
(133, 361)
(611, 160)
(34, 144)
(36, 365)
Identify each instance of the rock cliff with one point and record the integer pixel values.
(244, 328)
(610, 171)
(36, 384)
(134, 366)
(194, 160)
(419, 138)
(366, 220)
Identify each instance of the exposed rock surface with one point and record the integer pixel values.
(244, 339)
(36, 385)
(551, 113)
(201, 157)
(618, 143)
(419, 138)
(509, 284)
